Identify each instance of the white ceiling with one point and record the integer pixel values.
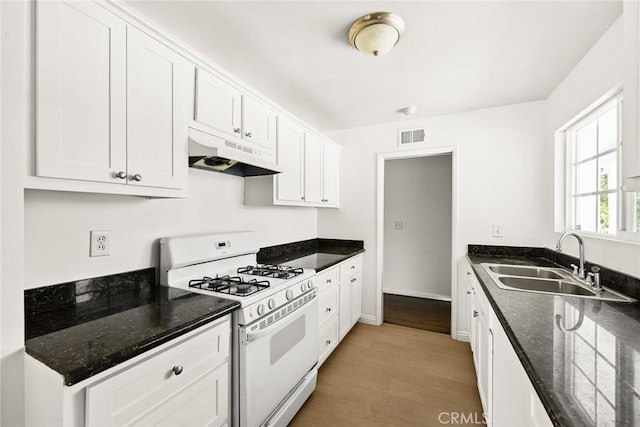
(454, 56)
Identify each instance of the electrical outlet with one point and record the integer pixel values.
(497, 230)
(100, 243)
(397, 225)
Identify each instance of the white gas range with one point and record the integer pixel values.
(275, 335)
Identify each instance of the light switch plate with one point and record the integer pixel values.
(397, 225)
(100, 243)
(497, 230)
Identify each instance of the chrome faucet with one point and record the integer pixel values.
(581, 274)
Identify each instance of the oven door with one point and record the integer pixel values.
(276, 352)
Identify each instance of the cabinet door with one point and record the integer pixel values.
(330, 171)
(80, 96)
(484, 353)
(356, 298)
(327, 339)
(327, 303)
(259, 126)
(218, 104)
(313, 168)
(186, 385)
(511, 385)
(345, 308)
(157, 81)
(290, 153)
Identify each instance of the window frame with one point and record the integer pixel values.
(625, 201)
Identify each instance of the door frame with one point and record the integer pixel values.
(410, 154)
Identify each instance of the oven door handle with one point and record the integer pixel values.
(252, 336)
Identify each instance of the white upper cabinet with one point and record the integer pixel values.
(218, 105)
(111, 104)
(310, 171)
(227, 112)
(313, 170)
(322, 166)
(330, 173)
(259, 125)
(80, 92)
(290, 183)
(157, 80)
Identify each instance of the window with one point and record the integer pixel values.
(593, 179)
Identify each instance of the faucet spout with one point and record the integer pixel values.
(581, 273)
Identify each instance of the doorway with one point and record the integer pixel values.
(416, 278)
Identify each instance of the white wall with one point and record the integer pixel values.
(57, 226)
(500, 167)
(598, 72)
(15, 108)
(417, 257)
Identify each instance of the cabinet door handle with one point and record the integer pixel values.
(328, 342)
(177, 370)
(328, 280)
(236, 130)
(302, 198)
(468, 292)
(353, 280)
(328, 310)
(468, 273)
(121, 175)
(353, 267)
(475, 313)
(137, 177)
(248, 134)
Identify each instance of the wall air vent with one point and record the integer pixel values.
(410, 136)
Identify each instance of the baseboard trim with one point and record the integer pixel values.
(427, 295)
(462, 336)
(369, 320)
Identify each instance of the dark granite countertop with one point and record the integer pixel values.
(315, 254)
(87, 336)
(582, 355)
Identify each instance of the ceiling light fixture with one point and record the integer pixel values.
(376, 33)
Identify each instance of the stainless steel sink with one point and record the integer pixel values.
(545, 285)
(510, 270)
(548, 281)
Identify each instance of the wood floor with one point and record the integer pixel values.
(421, 313)
(393, 376)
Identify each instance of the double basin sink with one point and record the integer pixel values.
(547, 280)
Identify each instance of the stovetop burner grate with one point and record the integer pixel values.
(229, 285)
(271, 270)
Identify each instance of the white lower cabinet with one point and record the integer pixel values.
(340, 303)
(183, 382)
(507, 395)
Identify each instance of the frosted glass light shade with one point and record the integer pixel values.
(376, 33)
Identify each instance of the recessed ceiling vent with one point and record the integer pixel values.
(410, 136)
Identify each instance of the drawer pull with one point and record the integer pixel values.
(353, 267)
(328, 280)
(353, 280)
(328, 310)
(475, 313)
(177, 369)
(328, 342)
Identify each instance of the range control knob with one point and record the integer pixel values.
(289, 294)
(310, 284)
(272, 303)
(261, 309)
(303, 287)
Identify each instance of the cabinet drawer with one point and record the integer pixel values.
(350, 267)
(327, 339)
(156, 389)
(328, 303)
(327, 278)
